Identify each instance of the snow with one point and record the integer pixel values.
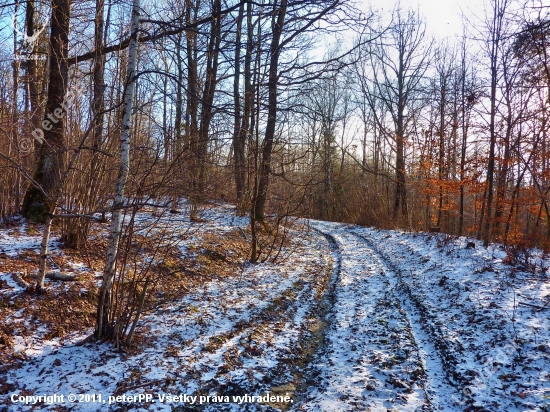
(350, 318)
(232, 332)
(14, 241)
(10, 283)
(375, 358)
(471, 307)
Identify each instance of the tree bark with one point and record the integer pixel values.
(48, 172)
(238, 135)
(104, 327)
(77, 229)
(32, 80)
(465, 127)
(208, 100)
(192, 107)
(400, 204)
(265, 163)
(499, 6)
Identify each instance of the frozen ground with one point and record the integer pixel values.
(348, 319)
(376, 356)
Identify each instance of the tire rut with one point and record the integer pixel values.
(370, 358)
(438, 365)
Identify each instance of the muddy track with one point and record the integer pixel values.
(322, 318)
(376, 354)
(299, 313)
(253, 336)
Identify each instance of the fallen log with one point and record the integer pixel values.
(61, 277)
(57, 276)
(19, 280)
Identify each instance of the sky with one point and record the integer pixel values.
(443, 17)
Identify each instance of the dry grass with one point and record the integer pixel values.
(69, 308)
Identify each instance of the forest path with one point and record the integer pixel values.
(376, 356)
(348, 319)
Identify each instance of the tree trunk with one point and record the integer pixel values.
(104, 308)
(465, 126)
(192, 108)
(208, 99)
(441, 166)
(179, 101)
(78, 228)
(32, 80)
(177, 147)
(36, 206)
(15, 186)
(239, 136)
(44, 254)
(265, 163)
(400, 204)
(499, 7)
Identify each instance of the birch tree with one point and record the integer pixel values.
(104, 322)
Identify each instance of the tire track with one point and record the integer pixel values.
(370, 360)
(440, 392)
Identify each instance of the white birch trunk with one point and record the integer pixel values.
(44, 253)
(105, 298)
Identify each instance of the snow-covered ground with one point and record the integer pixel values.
(232, 335)
(348, 319)
(488, 319)
(375, 357)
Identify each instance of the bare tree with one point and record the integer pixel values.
(400, 59)
(104, 326)
(495, 26)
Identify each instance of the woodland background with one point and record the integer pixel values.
(287, 108)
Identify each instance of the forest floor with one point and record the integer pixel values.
(345, 319)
